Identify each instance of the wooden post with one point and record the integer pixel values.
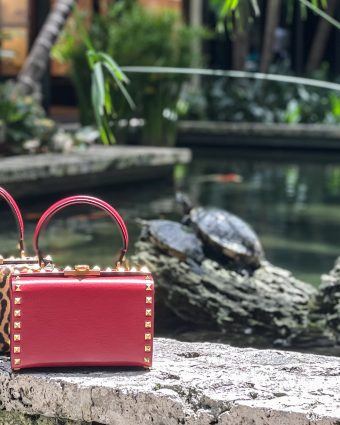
(272, 21)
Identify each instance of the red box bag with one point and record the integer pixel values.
(82, 316)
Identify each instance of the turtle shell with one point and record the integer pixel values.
(175, 238)
(227, 234)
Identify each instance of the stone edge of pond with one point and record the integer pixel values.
(230, 134)
(97, 165)
(190, 383)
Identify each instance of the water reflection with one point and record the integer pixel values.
(292, 201)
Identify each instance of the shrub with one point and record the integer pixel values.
(133, 36)
(22, 119)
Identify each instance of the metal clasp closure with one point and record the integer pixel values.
(82, 270)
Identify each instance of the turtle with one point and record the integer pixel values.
(174, 238)
(227, 235)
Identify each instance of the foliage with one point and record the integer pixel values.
(243, 11)
(23, 118)
(246, 100)
(105, 72)
(133, 35)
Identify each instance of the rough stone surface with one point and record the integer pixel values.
(190, 383)
(25, 174)
(329, 299)
(270, 301)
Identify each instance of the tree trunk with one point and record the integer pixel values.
(272, 21)
(37, 61)
(320, 39)
(240, 49)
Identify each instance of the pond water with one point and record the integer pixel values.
(292, 200)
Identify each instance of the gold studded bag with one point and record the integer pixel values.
(82, 315)
(7, 267)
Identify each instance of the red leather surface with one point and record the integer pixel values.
(77, 321)
(79, 200)
(16, 211)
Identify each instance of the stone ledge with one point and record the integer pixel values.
(190, 383)
(246, 134)
(52, 172)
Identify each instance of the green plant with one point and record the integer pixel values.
(246, 100)
(23, 119)
(133, 35)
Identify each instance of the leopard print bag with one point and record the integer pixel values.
(7, 267)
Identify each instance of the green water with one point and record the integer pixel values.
(292, 200)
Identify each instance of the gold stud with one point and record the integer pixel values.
(17, 325)
(17, 313)
(148, 324)
(147, 348)
(149, 286)
(16, 337)
(16, 362)
(148, 312)
(147, 336)
(146, 360)
(148, 300)
(17, 288)
(16, 350)
(17, 300)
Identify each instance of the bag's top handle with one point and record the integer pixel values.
(18, 217)
(79, 200)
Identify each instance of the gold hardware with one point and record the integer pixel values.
(17, 288)
(82, 270)
(147, 336)
(17, 313)
(148, 300)
(148, 324)
(16, 337)
(147, 348)
(16, 350)
(146, 360)
(148, 312)
(149, 286)
(17, 325)
(17, 300)
(148, 277)
(16, 362)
